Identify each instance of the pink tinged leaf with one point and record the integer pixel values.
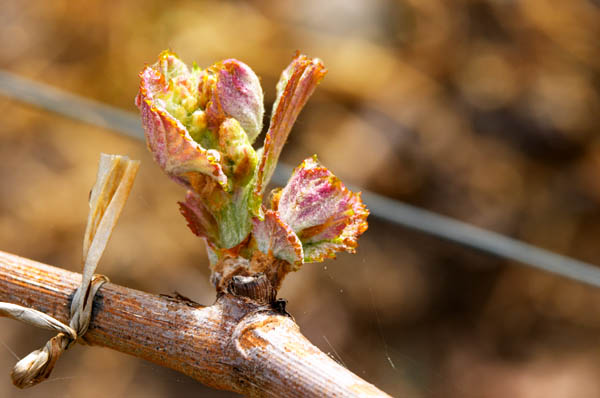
(326, 216)
(275, 237)
(297, 83)
(199, 219)
(169, 141)
(233, 91)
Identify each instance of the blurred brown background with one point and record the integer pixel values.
(486, 111)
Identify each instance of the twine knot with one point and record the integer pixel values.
(107, 198)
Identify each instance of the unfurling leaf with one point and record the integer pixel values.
(199, 219)
(276, 238)
(232, 90)
(295, 86)
(167, 103)
(326, 216)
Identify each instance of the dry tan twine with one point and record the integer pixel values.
(109, 194)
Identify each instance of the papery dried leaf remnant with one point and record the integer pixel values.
(200, 126)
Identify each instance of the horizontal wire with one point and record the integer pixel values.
(70, 105)
(109, 117)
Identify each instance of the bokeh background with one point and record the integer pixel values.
(485, 111)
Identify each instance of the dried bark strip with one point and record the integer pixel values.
(234, 344)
